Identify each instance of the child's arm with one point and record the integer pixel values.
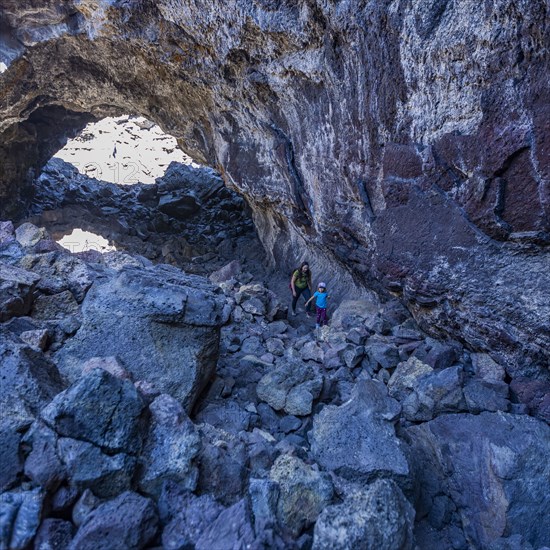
(310, 299)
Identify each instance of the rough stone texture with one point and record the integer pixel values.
(171, 446)
(414, 152)
(162, 324)
(20, 514)
(357, 440)
(54, 534)
(303, 493)
(376, 517)
(128, 522)
(29, 382)
(487, 473)
(16, 291)
(292, 386)
(100, 409)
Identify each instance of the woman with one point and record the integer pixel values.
(300, 283)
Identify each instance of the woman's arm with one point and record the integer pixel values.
(292, 284)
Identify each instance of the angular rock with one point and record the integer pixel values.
(101, 409)
(375, 517)
(312, 352)
(128, 522)
(494, 467)
(163, 326)
(406, 377)
(7, 232)
(28, 234)
(227, 272)
(56, 306)
(354, 313)
(59, 272)
(107, 475)
(486, 395)
(437, 393)
(488, 369)
(190, 520)
(37, 339)
(303, 493)
(43, 464)
(535, 394)
(29, 382)
(357, 440)
(264, 495)
(385, 355)
(170, 448)
(11, 464)
(232, 529)
(16, 291)
(292, 386)
(85, 505)
(222, 462)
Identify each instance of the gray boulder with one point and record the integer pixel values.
(29, 382)
(129, 522)
(378, 517)
(291, 387)
(171, 446)
(494, 467)
(16, 291)
(425, 392)
(357, 440)
(100, 409)
(304, 492)
(163, 326)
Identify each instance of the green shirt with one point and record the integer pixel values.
(301, 279)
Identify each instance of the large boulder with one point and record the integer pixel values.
(357, 440)
(377, 517)
(100, 409)
(162, 325)
(494, 469)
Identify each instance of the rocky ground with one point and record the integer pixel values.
(149, 408)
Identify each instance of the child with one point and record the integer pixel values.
(321, 302)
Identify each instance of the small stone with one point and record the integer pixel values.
(37, 339)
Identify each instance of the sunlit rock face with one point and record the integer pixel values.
(392, 143)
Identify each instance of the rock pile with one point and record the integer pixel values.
(148, 408)
(187, 218)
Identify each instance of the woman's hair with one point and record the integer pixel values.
(308, 270)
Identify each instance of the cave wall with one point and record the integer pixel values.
(396, 144)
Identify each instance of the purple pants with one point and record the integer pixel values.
(321, 316)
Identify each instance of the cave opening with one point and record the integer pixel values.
(122, 184)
